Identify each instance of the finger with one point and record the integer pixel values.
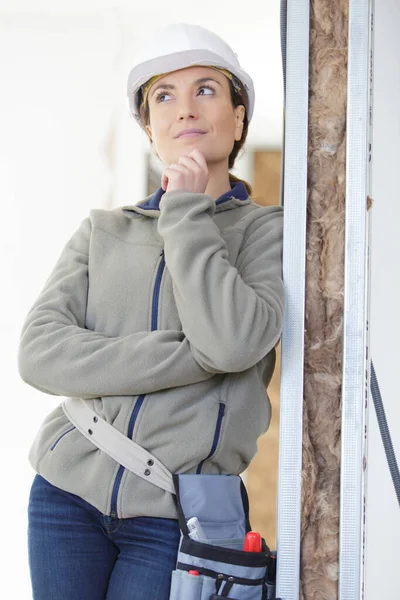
(168, 173)
(190, 162)
(176, 167)
(199, 158)
(171, 172)
(194, 159)
(201, 164)
(188, 156)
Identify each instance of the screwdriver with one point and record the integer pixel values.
(252, 542)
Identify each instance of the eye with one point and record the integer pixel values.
(162, 93)
(207, 87)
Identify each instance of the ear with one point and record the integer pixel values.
(148, 131)
(240, 112)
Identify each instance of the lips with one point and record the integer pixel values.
(190, 135)
(190, 132)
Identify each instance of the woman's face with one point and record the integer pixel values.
(179, 101)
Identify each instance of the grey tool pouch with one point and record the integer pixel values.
(220, 504)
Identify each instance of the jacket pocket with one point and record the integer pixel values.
(180, 426)
(61, 436)
(216, 438)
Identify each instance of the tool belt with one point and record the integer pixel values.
(211, 562)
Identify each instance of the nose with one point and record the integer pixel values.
(187, 108)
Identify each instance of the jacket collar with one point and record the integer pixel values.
(150, 206)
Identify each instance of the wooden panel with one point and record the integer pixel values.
(262, 474)
(267, 177)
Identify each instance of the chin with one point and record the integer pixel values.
(184, 151)
(211, 155)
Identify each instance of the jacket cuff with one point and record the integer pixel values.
(179, 203)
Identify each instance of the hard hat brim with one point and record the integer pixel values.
(141, 73)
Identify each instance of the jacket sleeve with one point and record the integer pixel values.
(232, 315)
(59, 356)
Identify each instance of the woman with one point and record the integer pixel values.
(163, 316)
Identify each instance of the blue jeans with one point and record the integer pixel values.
(78, 553)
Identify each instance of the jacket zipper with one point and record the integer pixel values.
(140, 400)
(217, 434)
(156, 293)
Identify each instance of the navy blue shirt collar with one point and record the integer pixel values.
(238, 190)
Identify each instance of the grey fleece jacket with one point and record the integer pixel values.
(163, 316)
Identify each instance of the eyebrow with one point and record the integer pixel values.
(168, 86)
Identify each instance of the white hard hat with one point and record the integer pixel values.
(178, 46)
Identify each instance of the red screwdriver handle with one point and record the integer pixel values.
(252, 542)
